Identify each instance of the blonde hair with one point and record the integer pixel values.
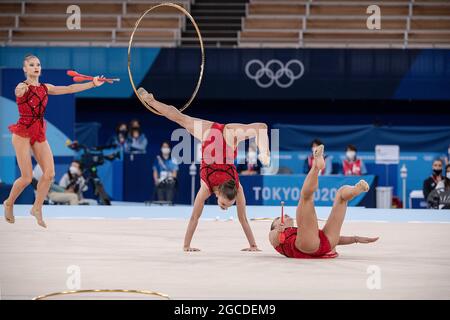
(27, 57)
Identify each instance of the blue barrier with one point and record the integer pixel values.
(271, 190)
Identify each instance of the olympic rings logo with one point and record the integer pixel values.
(275, 72)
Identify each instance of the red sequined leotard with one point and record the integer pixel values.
(217, 164)
(32, 106)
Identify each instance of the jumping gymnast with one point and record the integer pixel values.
(217, 171)
(28, 135)
(307, 241)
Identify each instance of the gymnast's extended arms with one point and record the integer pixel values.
(343, 240)
(257, 130)
(199, 203)
(240, 206)
(73, 88)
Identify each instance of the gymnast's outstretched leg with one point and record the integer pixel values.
(308, 240)
(172, 113)
(334, 223)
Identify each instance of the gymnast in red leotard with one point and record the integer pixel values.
(308, 241)
(217, 171)
(28, 135)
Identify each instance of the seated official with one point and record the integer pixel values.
(352, 165)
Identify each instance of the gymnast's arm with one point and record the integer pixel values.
(258, 130)
(73, 88)
(344, 240)
(274, 235)
(240, 206)
(274, 238)
(21, 89)
(199, 203)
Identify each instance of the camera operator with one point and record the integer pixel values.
(56, 194)
(164, 174)
(73, 181)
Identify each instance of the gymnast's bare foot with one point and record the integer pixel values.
(148, 97)
(37, 213)
(362, 186)
(189, 249)
(9, 215)
(319, 161)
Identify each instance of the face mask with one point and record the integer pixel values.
(437, 172)
(165, 151)
(448, 175)
(74, 170)
(351, 155)
(123, 131)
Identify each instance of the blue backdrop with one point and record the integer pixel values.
(365, 137)
(328, 73)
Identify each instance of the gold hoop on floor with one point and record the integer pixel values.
(202, 49)
(63, 293)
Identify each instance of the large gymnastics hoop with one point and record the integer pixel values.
(62, 293)
(202, 66)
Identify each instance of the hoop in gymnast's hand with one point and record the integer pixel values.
(143, 292)
(202, 66)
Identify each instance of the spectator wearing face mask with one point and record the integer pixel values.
(164, 174)
(137, 141)
(435, 179)
(444, 184)
(120, 137)
(252, 165)
(309, 160)
(447, 177)
(351, 165)
(74, 182)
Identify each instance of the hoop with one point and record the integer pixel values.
(62, 293)
(202, 66)
(261, 219)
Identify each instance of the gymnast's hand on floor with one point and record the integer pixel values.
(189, 249)
(365, 239)
(252, 248)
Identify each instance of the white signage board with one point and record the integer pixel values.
(387, 154)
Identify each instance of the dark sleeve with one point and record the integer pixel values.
(241, 167)
(258, 167)
(426, 188)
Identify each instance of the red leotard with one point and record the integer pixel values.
(31, 106)
(217, 164)
(289, 249)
